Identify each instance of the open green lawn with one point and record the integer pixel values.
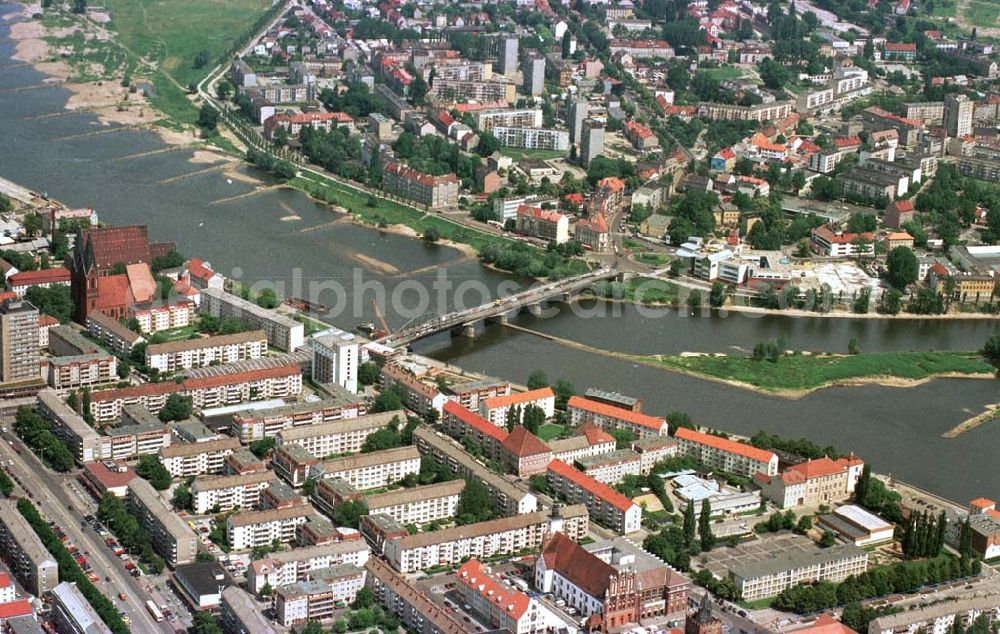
(519, 153)
(642, 290)
(804, 372)
(167, 36)
(550, 431)
(175, 334)
(722, 73)
(982, 13)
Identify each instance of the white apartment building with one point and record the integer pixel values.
(418, 505)
(532, 138)
(184, 460)
(611, 468)
(229, 492)
(261, 528)
(486, 120)
(372, 470)
(726, 455)
(282, 332)
(584, 410)
(255, 424)
(767, 578)
(495, 409)
(156, 318)
(288, 567)
(605, 504)
(196, 353)
(939, 618)
(343, 436)
(335, 359)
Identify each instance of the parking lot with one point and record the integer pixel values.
(719, 560)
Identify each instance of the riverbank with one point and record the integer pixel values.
(795, 375)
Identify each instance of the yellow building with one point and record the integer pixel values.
(898, 239)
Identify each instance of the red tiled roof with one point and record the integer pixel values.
(110, 245)
(584, 569)
(4, 580)
(902, 205)
(901, 47)
(817, 468)
(724, 444)
(410, 174)
(844, 237)
(592, 486)
(638, 130)
(548, 215)
(826, 624)
(477, 577)
(522, 442)
(981, 503)
(113, 291)
(595, 435)
(519, 398)
(141, 282)
(197, 268)
(42, 276)
(47, 320)
(474, 420)
(106, 477)
(636, 418)
(574, 199)
(12, 609)
(850, 141)
(613, 183)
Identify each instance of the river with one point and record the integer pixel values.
(269, 234)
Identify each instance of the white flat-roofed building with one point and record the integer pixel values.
(282, 332)
(611, 468)
(939, 617)
(532, 138)
(139, 434)
(184, 460)
(262, 528)
(486, 120)
(372, 470)
(73, 614)
(768, 577)
(196, 353)
(241, 614)
(504, 536)
(153, 319)
(172, 538)
(254, 424)
(857, 525)
(229, 492)
(335, 358)
(284, 568)
(338, 437)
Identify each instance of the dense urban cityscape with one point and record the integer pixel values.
(513, 316)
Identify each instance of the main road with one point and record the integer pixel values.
(53, 500)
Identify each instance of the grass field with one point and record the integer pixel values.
(518, 154)
(163, 39)
(982, 13)
(805, 372)
(550, 431)
(642, 290)
(722, 73)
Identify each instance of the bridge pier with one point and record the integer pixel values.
(465, 330)
(502, 318)
(535, 309)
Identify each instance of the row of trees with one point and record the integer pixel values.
(923, 535)
(801, 447)
(36, 432)
(132, 536)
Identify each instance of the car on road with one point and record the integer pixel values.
(121, 596)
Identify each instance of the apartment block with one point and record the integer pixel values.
(262, 528)
(184, 460)
(293, 463)
(239, 613)
(433, 192)
(338, 437)
(114, 334)
(495, 409)
(84, 370)
(774, 111)
(607, 506)
(195, 353)
(72, 613)
(510, 496)
(469, 394)
(652, 450)
(153, 319)
(486, 120)
(545, 224)
(726, 455)
(505, 536)
(768, 577)
(587, 440)
(255, 424)
(532, 138)
(611, 468)
(316, 599)
(82, 439)
(467, 426)
(584, 410)
(27, 557)
(455, 90)
(939, 617)
(372, 470)
(335, 359)
(413, 607)
(812, 483)
(282, 332)
(19, 353)
(500, 605)
(171, 536)
(416, 505)
(927, 112)
(287, 567)
(229, 492)
(139, 433)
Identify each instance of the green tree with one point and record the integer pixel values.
(892, 301)
(368, 373)
(902, 267)
(689, 524)
(991, 351)
(204, 623)
(717, 296)
(388, 401)
(268, 299)
(694, 298)
(533, 418)
(537, 380)
(177, 407)
(208, 118)
(182, 498)
(385, 438)
(705, 527)
(828, 539)
(262, 447)
(150, 468)
(202, 58)
(349, 513)
(475, 503)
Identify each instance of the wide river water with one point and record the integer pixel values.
(284, 237)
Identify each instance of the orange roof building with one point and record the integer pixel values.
(607, 506)
(525, 453)
(726, 455)
(462, 424)
(812, 483)
(584, 410)
(498, 604)
(495, 409)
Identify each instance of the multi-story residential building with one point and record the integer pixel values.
(958, 110)
(577, 111)
(335, 359)
(899, 51)
(642, 48)
(607, 506)
(500, 605)
(511, 498)
(294, 123)
(316, 600)
(371, 470)
(812, 483)
(768, 577)
(338, 437)
(416, 505)
(19, 352)
(837, 243)
(611, 468)
(876, 119)
(524, 453)
(532, 138)
(19, 283)
(282, 332)
(939, 617)
(495, 409)
(229, 492)
(114, 334)
(287, 567)
(981, 167)
(433, 192)
(591, 140)
(470, 393)
(83, 370)
(486, 120)
(844, 86)
(984, 522)
(262, 528)
(774, 111)
(281, 93)
(462, 70)
(24, 553)
(184, 460)
(652, 450)
(926, 112)
(584, 410)
(255, 424)
(413, 607)
(506, 208)
(195, 353)
(239, 613)
(140, 433)
(454, 90)
(171, 536)
(546, 224)
(464, 425)
(533, 72)
(726, 455)
(587, 440)
(293, 463)
(153, 319)
(641, 136)
(504, 536)
(612, 582)
(417, 395)
(220, 387)
(82, 439)
(73, 614)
